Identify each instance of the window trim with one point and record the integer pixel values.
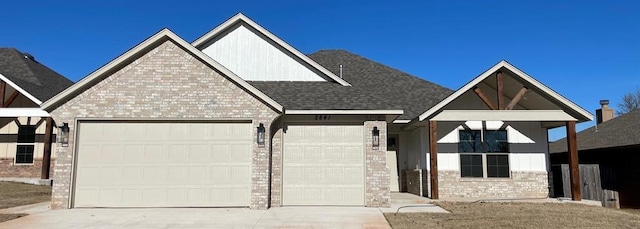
(484, 156)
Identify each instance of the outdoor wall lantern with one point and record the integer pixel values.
(376, 137)
(63, 134)
(261, 135)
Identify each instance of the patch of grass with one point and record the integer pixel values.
(7, 217)
(516, 215)
(18, 194)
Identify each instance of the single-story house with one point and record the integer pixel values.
(240, 118)
(614, 145)
(26, 131)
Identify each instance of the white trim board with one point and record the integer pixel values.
(219, 30)
(132, 54)
(22, 112)
(344, 112)
(503, 115)
(19, 89)
(585, 115)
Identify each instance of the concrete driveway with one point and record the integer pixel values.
(282, 217)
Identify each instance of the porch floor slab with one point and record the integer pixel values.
(407, 202)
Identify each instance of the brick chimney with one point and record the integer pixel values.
(605, 113)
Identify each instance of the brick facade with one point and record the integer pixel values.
(377, 190)
(9, 169)
(169, 83)
(520, 185)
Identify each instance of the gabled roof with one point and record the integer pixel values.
(571, 108)
(382, 86)
(239, 18)
(32, 79)
(139, 50)
(621, 131)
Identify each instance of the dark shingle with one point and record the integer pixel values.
(620, 131)
(391, 86)
(320, 96)
(35, 78)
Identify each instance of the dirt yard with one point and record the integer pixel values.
(517, 215)
(17, 194)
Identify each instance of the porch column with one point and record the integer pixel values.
(433, 157)
(574, 168)
(46, 156)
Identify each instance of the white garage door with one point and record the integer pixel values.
(323, 165)
(135, 164)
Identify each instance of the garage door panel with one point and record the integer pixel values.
(323, 165)
(179, 171)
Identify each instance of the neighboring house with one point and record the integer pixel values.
(241, 118)
(614, 145)
(24, 141)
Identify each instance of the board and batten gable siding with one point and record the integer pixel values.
(527, 144)
(250, 55)
(165, 83)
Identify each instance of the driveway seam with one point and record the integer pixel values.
(256, 224)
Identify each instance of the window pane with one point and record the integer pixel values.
(496, 141)
(24, 154)
(470, 141)
(471, 165)
(26, 134)
(497, 165)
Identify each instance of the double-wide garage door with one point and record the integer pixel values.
(150, 164)
(323, 165)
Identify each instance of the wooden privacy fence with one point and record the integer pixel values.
(596, 182)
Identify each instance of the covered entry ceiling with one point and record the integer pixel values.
(152, 164)
(323, 165)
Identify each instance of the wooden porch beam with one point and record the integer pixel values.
(10, 100)
(499, 82)
(484, 98)
(433, 157)
(517, 98)
(3, 87)
(46, 156)
(574, 167)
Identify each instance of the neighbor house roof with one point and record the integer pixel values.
(377, 86)
(34, 80)
(620, 131)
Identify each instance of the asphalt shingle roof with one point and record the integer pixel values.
(623, 130)
(374, 86)
(410, 93)
(35, 78)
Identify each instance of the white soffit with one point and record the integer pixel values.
(503, 115)
(20, 90)
(344, 112)
(222, 28)
(586, 116)
(126, 58)
(22, 112)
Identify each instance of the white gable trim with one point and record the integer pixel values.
(503, 115)
(96, 76)
(344, 112)
(22, 112)
(241, 17)
(503, 64)
(19, 89)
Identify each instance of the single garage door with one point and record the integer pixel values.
(153, 164)
(323, 165)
